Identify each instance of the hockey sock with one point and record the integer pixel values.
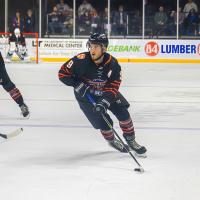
(127, 128)
(108, 134)
(16, 96)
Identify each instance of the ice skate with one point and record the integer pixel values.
(118, 145)
(25, 111)
(139, 150)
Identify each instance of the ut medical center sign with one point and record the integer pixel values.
(59, 50)
(125, 50)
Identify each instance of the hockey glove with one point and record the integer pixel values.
(81, 89)
(101, 106)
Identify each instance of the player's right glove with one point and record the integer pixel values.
(81, 89)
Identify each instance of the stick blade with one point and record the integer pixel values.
(140, 170)
(14, 133)
(3, 135)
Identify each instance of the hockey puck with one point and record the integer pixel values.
(141, 170)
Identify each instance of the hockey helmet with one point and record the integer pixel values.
(97, 38)
(17, 31)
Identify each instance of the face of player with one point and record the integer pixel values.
(96, 51)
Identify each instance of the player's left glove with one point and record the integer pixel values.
(101, 106)
(81, 89)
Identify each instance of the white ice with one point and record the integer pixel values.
(59, 156)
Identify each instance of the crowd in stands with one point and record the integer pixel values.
(160, 19)
(88, 19)
(24, 23)
(164, 21)
(60, 20)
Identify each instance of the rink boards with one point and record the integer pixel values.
(125, 50)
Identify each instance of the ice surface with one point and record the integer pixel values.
(60, 156)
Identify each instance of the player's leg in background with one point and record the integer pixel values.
(11, 50)
(21, 52)
(10, 87)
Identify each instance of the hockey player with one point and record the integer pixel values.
(10, 87)
(17, 45)
(99, 74)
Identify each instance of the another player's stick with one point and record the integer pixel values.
(140, 169)
(12, 134)
(19, 56)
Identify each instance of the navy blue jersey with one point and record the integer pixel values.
(18, 40)
(105, 77)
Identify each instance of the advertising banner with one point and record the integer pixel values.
(61, 48)
(125, 50)
(172, 49)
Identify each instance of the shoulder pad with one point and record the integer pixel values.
(81, 56)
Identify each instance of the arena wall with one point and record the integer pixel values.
(172, 51)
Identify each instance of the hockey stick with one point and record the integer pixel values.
(140, 169)
(19, 56)
(11, 134)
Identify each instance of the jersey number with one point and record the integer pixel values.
(69, 65)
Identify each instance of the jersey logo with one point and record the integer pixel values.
(81, 56)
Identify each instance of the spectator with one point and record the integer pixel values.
(66, 16)
(55, 24)
(17, 22)
(189, 6)
(160, 21)
(29, 22)
(95, 22)
(181, 21)
(68, 25)
(181, 17)
(119, 21)
(85, 24)
(64, 9)
(192, 22)
(85, 7)
(172, 27)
